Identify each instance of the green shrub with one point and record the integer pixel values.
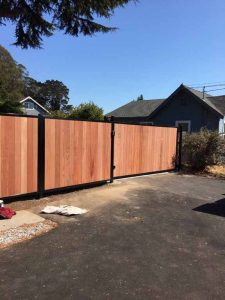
(202, 148)
(87, 111)
(13, 107)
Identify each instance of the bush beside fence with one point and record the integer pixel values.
(202, 149)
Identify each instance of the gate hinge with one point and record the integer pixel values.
(113, 132)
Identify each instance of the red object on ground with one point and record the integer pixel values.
(6, 212)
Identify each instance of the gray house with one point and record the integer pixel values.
(33, 108)
(185, 106)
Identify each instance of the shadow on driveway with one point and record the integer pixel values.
(216, 208)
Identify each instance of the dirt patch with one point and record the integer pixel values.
(24, 232)
(27, 204)
(90, 199)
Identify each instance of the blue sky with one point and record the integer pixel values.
(159, 45)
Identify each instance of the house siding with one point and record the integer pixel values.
(184, 106)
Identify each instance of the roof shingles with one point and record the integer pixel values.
(140, 108)
(218, 102)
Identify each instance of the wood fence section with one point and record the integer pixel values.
(76, 152)
(143, 149)
(18, 155)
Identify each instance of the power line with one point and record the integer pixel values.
(206, 83)
(215, 90)
(211, 85)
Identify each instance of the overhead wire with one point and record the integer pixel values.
(204, 84)
(215, 90)
(211, 85)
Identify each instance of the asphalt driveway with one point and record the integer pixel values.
(154, 237)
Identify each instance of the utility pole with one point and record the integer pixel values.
(203, 91)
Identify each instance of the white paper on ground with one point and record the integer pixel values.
(65, 210)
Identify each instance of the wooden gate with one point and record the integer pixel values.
(143, 149)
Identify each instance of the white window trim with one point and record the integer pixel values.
(147, 123)
(184, 121)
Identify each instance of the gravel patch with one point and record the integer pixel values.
(24, 232)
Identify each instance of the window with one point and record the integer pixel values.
(185, 125)
(29, 105)
(147, 123)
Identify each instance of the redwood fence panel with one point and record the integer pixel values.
(144, 149)
(41, 154)
(18, 155)
(76, 152)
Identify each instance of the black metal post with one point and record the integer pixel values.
(41, 156)
(180, 149)
(112, 167)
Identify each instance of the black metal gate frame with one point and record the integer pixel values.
(41, 158)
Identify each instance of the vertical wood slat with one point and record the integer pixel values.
(142, 149)
(18, 155)
(76, 152)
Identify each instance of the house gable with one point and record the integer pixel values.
(198, 96)
(183, 105)
(32, 107)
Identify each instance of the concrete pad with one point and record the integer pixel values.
(22, 217)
